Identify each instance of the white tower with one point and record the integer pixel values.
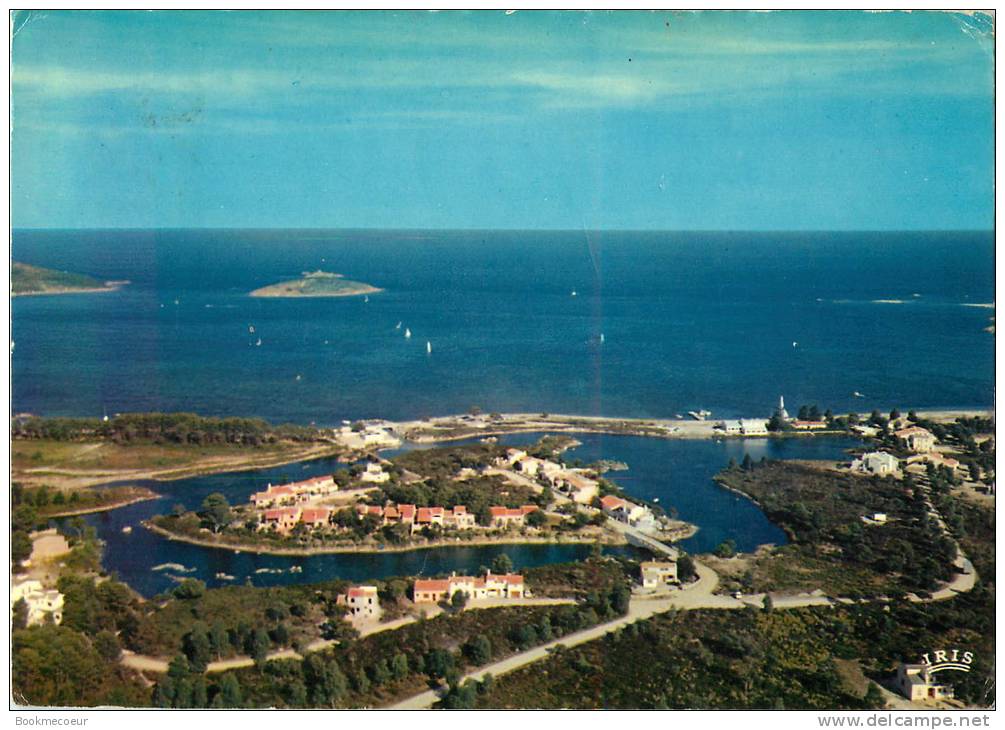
(782, 413)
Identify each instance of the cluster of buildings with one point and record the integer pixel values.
(625, 511)
(457, 517)
(491, 586)
(42, 603)
(916, 439)
(370, 434)
(296, 493)
(581, 488)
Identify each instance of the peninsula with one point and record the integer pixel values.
(26, 279)
(317, 284)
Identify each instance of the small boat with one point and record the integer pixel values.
(408, 333)
(251, 329)
(366, 299)
(794, 343)
(699, 415)
(429, 347)
(398, 326)
(656, 499)
(601, 338)
(299, 376)
(573, 292)
(259, 342)
(296, 569)
(127, 529)
(176, 302)
(224, 576)
(858, 395)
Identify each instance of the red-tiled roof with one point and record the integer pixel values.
(276, 514)
(407, 511)
(611, 502)
(439, 585)
(315, 515)
(362, 591)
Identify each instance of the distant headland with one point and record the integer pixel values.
(26, 280)
(317, 284)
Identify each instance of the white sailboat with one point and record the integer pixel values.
(573, 292)
(366, 299)
(429, 347)
(601, 338)
(398, 326)
(259, 342)
(408, 333)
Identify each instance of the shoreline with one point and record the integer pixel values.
(85, 480)
(368, 550)
(150, 496)
(53, 292)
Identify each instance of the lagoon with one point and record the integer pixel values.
(678, 473)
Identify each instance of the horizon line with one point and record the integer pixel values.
(503, 230)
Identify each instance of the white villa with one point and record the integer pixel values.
(41, 602)
(656, 573)
(362, 601)
(916, 684)
(754, 426)
(879, 463)
(918, 439)
(374, 473)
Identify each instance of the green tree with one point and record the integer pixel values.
(768, 603)
(502, 564)
(230, 691)
(685, 568)
(216, 511)
(725, 549)
(189, 589)
(260, 646)
(748, 463)
(399, 666)
(196, 645)
(478, 650)
(20, 614)
(20, 546)
(107, 645)
(459, 600)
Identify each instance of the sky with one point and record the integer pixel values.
(530, 120)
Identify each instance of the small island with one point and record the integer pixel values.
(317, 284)
(26, 279)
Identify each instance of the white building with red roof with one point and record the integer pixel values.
(361, 602)
(492, 585)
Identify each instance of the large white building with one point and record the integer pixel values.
(916, 683)
(41, 602)
(657, 573)
(362, 601)
(754, 426)
(879, 463)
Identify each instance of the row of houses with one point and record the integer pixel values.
(296, 493)
(510, 585)
(581, 488)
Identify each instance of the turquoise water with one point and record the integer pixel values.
(689, 321)
(677, 473)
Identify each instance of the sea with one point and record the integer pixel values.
(634, 324)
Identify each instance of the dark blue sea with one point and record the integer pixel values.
(723, 321)
(660, 323)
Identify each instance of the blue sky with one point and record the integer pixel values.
(646, 120)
